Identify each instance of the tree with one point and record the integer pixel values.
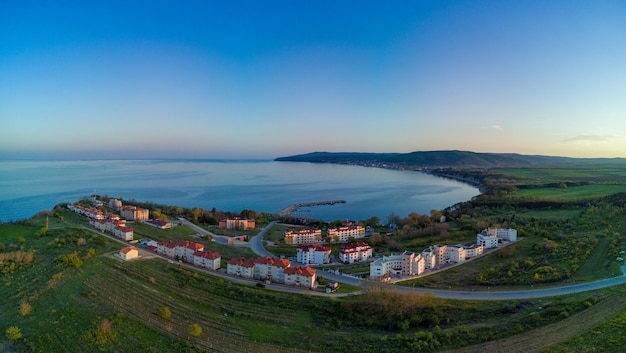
(13, 333)
(165, 312)
(194, 330)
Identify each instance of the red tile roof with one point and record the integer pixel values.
(302, 271)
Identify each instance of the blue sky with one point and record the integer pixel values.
(262, 79)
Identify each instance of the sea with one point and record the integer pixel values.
(28, 187)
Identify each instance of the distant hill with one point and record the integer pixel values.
(433, 159)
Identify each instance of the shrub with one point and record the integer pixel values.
(165, 312)
(25, 308)
(13, 333)
(194, 330)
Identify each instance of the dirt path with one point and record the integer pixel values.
(544, 337)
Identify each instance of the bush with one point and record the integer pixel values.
(25, 309)
(13, 333)
(194, 330)
(165, 312)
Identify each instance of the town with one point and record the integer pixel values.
(310, 249)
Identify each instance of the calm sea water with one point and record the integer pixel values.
(27, 187)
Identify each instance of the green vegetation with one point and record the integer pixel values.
(65, 290)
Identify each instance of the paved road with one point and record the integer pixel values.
(256, 244)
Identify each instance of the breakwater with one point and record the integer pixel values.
(287, 210)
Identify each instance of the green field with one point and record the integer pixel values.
(573, 193)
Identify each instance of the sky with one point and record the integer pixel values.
(265, 79)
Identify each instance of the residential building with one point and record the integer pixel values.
(487, 241)
(313, 254)
(343, 233)
(271, 268)
(124, 233)
(501, 233)
(237, 223)
(240, 267)
(300, 277)
(129, 253)
(404, 264)
(115, 204)
(207, 259)
(303, 236)
(133, 213)
(355, 252)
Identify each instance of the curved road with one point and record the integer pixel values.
(256, 244)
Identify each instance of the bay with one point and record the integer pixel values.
(27, 187)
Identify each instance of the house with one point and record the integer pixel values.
(300, 277)
(129, 253)
(355, 252)
(237, 223)
(303, 236)
(502, 234)
(167, 248)
(240, 267)
(343, 233)
(313, 254)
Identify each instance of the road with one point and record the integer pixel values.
(257, 246)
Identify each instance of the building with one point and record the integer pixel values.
(303, 236)
(159, 223)
(271, 268)
(112, 226)
(207, 259)
(343, 233)
(115, 204)
(487, 241)
(355, 252)
(133, 213)
(502, 234)
(237, 223)
(129, 253)
(240, 268)
(182, 250)
(404, 264)
(300, 277)
(313, 254)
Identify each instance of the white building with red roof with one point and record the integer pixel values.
(157, 223)
(355, 252)
(240, 267)
(207, 259)
(271, 268)
(343, 233)
(129, 253)
(300, 277)
(303, 236)
(313, 254)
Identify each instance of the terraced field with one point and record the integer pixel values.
(545, 337)
(140, 289)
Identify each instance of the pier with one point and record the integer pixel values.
(287, 210)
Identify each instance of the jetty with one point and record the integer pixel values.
(287, 210)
